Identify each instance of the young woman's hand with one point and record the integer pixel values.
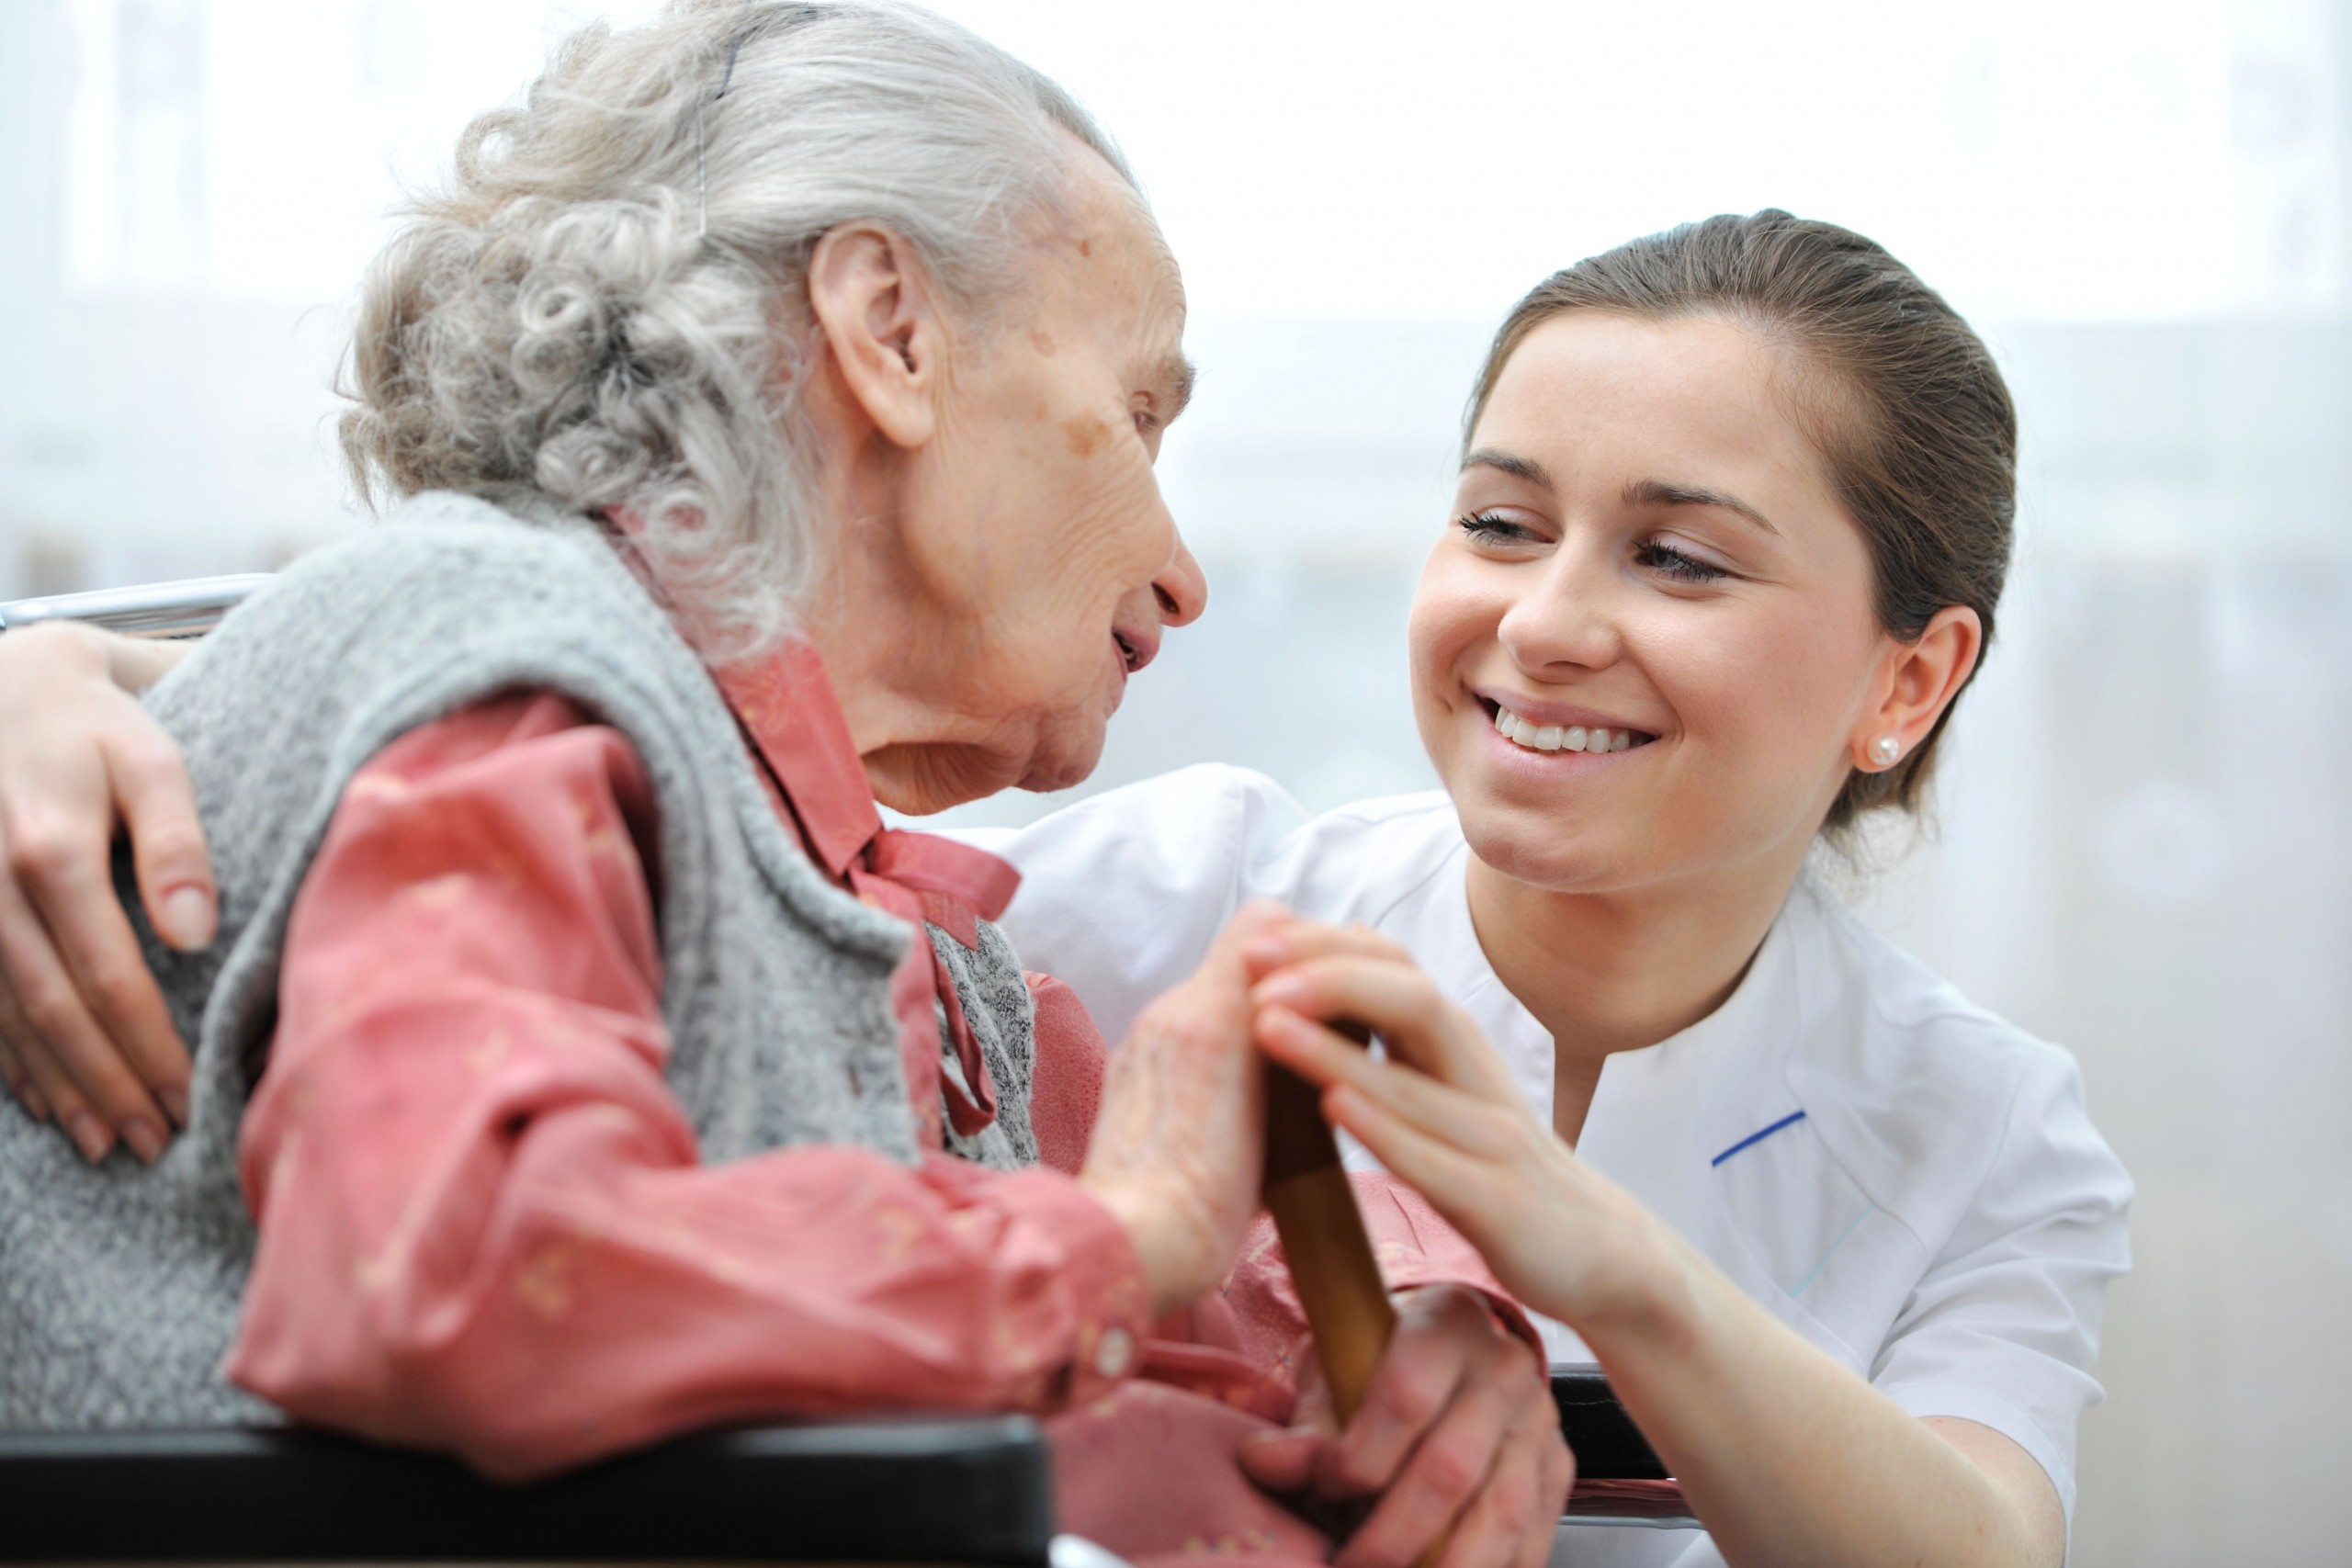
(1179, 1145)
(1786, 1455)
(1444, 1115)
(84, 1036)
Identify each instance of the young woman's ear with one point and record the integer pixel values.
(1919, 680)
(879, 316)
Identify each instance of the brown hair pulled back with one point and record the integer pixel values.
(1898, 395)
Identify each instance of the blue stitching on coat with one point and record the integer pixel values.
(1815, 1272)
(1789, 1121)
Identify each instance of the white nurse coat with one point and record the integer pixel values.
(1909, 1181)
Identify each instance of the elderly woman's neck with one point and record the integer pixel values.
(895, 678)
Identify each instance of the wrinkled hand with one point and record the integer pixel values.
(1179, 1145)
(1457, 1436)
(1443, 1113)
(84, 1036)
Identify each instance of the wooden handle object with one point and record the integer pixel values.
(1324, 1240)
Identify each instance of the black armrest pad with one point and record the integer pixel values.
(1607, 1444)
(945, 1491)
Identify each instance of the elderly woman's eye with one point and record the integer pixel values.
(1667, 561)
(1146, 422)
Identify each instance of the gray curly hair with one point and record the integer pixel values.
(608, 303)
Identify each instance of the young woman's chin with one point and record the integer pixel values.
(1570, 840)
(1564, 821)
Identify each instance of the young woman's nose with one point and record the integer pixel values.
(1181, 588)
(1566, 620)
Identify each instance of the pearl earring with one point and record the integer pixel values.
(1885, 750)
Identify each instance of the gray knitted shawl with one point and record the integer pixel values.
(120, 1286)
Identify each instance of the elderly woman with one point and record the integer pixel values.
(774, 396)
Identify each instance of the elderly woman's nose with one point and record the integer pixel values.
(1181, 588)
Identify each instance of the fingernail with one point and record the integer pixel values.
(144, 1137)
(88, 1135)
(175, 1105)
(187, 917)
(38, 1102)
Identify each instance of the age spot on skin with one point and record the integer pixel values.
(1042, 341)
(1086, 434)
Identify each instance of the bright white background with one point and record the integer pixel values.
(2145, 846)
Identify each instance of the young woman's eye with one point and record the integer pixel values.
(1667, 561)
(1493, 528)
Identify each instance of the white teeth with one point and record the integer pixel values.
(1559, 738)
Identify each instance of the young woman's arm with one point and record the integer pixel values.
(85, 1036)
(1786, 1456)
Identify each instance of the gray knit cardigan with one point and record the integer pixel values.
(119, 1285)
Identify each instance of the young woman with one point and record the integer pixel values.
(1735, 513)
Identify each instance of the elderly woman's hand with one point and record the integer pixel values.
(1458, 1434)
(1179, 1145)
(84, 1036)
(1458, 1438)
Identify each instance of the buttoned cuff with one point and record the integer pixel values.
(1109, 1299)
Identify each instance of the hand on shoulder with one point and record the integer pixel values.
(85, 1036)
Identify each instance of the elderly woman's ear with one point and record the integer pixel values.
(880, 318)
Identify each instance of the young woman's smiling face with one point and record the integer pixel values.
(1647, 548)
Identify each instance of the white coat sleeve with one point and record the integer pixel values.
(2003, 1330)
(1122, 894)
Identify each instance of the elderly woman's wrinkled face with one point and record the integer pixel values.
(1035, 515)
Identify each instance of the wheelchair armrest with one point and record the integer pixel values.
(1619, 1479)
(1607, 1444)
(184, 609)
(976, 1491)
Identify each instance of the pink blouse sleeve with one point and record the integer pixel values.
(483, 1223)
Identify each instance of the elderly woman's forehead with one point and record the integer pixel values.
(1115, 270)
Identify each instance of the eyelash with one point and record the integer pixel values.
(1489, 527)
(1673, 563)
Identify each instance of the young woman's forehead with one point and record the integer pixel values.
(1700, 401)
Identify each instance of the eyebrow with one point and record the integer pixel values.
(1510, 463)
(1637, 492)
(1177, 377)
(1658, 493)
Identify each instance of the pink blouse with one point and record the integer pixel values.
(484, 1225)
